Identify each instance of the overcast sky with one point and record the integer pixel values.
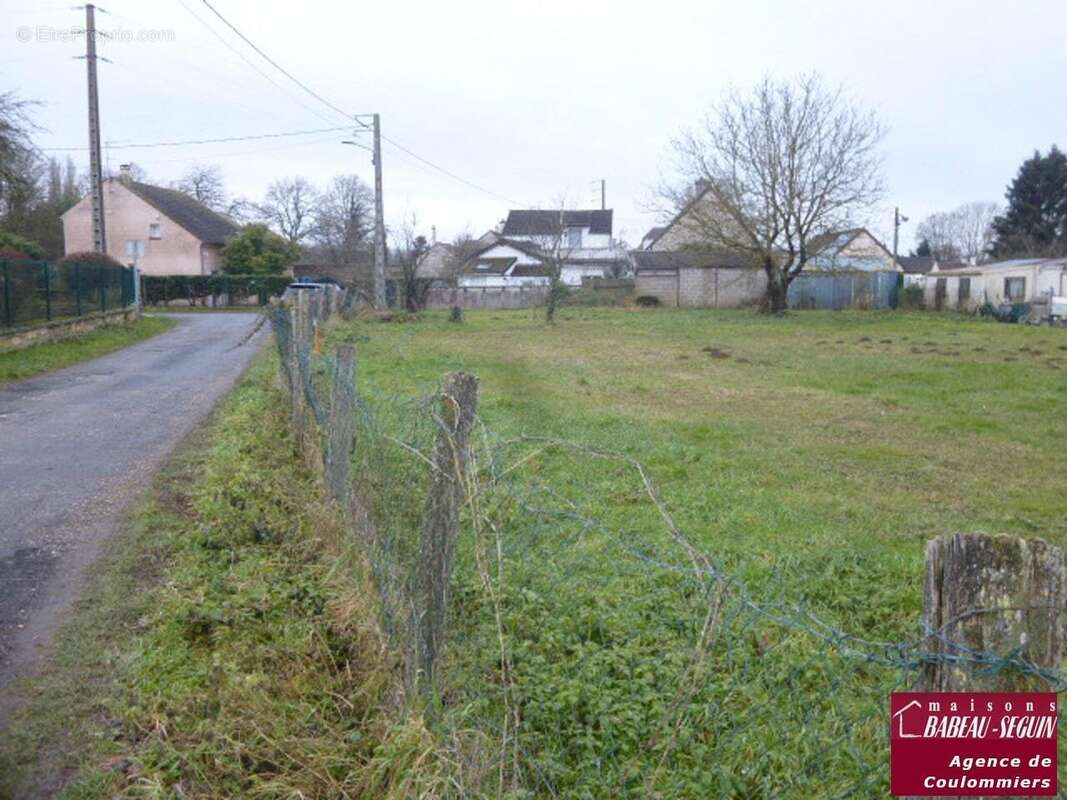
(534, 101)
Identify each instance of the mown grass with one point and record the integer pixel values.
(810, 456)
(34, 360)
(227, 646)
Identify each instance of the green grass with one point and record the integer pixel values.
(225, 647)
(39, 358)
(231, 648)
(812, 462)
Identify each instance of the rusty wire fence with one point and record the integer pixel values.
(596, 653)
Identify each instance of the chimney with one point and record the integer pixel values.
(433, 234)
(124, 173)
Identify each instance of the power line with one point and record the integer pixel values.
(276, 65)
(449, 173)
(207, 141)
(247, 61)
(346, 115)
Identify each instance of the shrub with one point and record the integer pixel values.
(257, 250)
(12, 246)
(90, 257)
(911, 297)
(197, 288)
(647, 301)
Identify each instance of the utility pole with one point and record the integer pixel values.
(603, 195)
(96, 176)
(379, 218)
(898, 219)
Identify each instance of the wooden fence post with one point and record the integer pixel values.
(1000, 595)
(440, 522)
(341, 426)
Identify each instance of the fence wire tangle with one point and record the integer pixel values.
(594, 653)
(37, 291)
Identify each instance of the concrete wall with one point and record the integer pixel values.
(488, 298)
(19, 338)
(128, 218)
(693, 287)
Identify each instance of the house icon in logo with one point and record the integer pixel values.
(899, 716)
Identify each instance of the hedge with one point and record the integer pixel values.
(197, 288)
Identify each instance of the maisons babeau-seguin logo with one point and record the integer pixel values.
(973, 744)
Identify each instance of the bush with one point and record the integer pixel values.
(12, 246)
(197, 288)
(911, 297)
(90, 257)
(257, 250)
(647, 301)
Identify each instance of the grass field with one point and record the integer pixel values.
(21, 364)
(229, 647)
(810, 457)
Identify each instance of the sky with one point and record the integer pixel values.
(536, 103)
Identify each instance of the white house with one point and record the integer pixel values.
(1019, 280)
(517, 258)
(916, 268)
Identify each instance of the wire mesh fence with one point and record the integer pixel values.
(597, 649)
(38, 291)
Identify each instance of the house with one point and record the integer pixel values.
(518, 255)
(916, 268)
(160, 231)
(1025, 280)
(852, 250)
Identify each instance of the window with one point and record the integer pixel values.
(1015, 288)
(965, 289)
(134, 248)
(154, 231)
(574, 237)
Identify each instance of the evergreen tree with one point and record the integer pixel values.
(1035, 222)
(924, 249)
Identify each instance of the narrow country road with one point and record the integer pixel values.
(77, 446)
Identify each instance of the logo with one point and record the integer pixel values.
(973, 744)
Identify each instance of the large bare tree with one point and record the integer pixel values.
(963, 233)
(203, 182)
(345, 221)
(771, 169)
(290, 207)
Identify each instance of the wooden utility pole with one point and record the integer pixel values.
(379, 218)
(96, 176)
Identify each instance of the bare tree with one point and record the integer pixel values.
(411, 246)
(772, 169)
(203, 182)
(554, 249)
(963, 233)
(345, 227)
(290, 207)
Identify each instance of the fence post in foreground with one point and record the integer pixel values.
(440, 522)
(296, 373)
(998, 595)
(341, 426)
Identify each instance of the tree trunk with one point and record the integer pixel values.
(776, 299)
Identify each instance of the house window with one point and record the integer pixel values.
(154, 231)
(965, 289)
(1015, 288)
(574, 237)
(134, 248)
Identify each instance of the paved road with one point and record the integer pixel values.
(78, 445)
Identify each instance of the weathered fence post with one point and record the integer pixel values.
(341, 427)
(998, 595)
(440, 522)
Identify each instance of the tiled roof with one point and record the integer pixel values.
(546, 222)
(210, 227)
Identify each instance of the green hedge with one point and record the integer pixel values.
(197, 288)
